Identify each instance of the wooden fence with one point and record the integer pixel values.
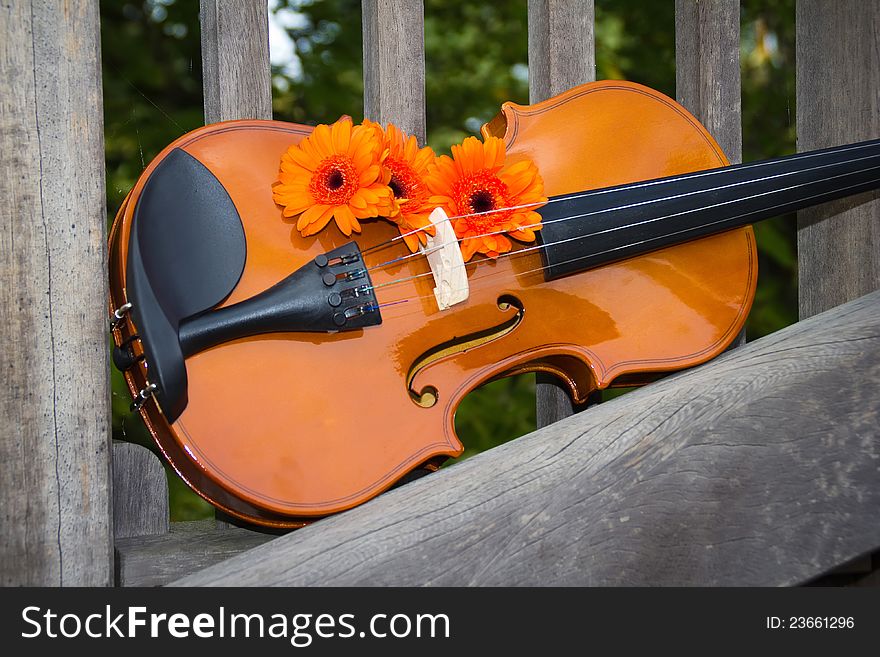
(760, 467)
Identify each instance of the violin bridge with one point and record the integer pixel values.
(447, 264)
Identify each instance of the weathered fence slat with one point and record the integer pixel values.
(189, 547)
(561, 55)
(55, 517)
(140, 492)
(235, 60)
(394, 64)
(561, 46)
(707, 75)
(760, 468)
(838, 101)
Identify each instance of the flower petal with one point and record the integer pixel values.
(301, 158)
(469, 248)
(344, 219)
(318, 225)
(310, 216)
(341, 135)
(369, 175)
(322, 140)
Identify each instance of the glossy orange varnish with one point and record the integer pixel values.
(283, 427)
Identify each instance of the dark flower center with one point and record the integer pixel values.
(335, 180)
(482, 198)
(405, 183)
(396, 187)
(482, 201)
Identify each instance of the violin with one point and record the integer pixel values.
(287, 377)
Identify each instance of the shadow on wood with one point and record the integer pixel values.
(760, 468)
(188, 547)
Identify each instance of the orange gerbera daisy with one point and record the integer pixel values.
(405, 167)
(484, 198)
(334, 173)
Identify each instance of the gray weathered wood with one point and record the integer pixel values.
(561, 56)
(394, 64)
(838, 102)
(552, 400)
(561, 49)
(235, 60)
(140, 492)
(55, 524)
(707, 75)
(189, 547)
(759, 468)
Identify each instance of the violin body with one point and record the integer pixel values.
(281, 428)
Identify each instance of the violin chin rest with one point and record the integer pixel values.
(186, 254)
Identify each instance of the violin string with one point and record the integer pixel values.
(649, 183)
(436, 247)
(524, 251)
(570, 260)
(397, 238)
(391, 303)
(628, 226)
(640, 185)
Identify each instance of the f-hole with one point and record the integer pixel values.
(429, 395)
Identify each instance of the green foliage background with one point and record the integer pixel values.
(476, 58)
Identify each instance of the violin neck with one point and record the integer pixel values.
(588, 229)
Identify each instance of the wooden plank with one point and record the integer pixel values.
(561, 49)
(235, 60)
(189, 547)
(838, 84)
(759, 468)
(55, 520)
(140, 492)
(394, 64)
(838, 102)
(561, 56)
(707, 75)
